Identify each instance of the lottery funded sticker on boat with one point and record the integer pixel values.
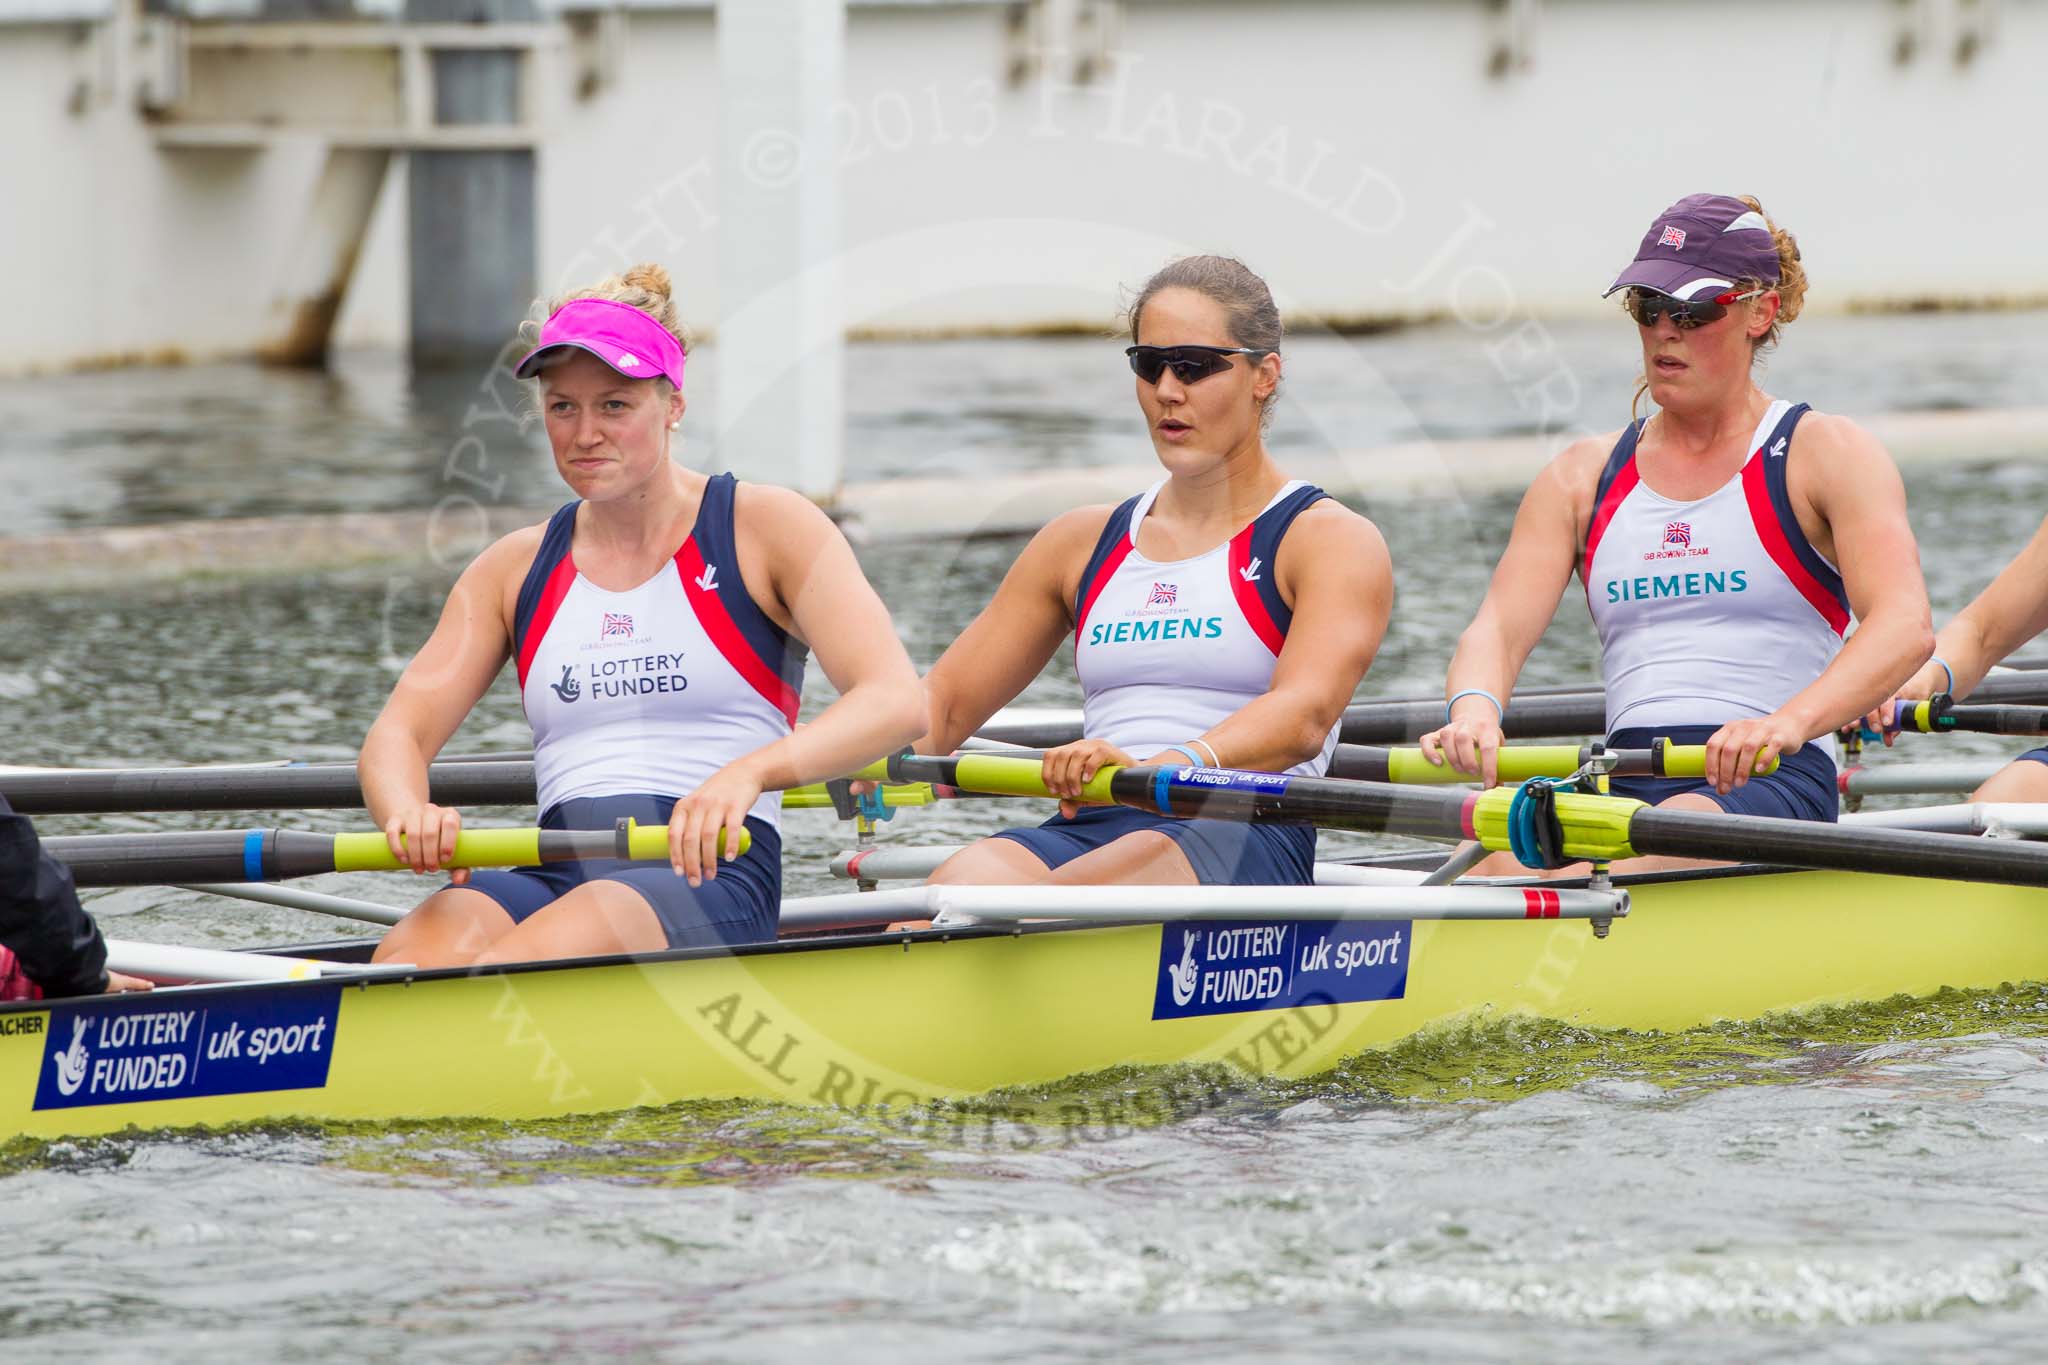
(1239, 966)
(127, 1049)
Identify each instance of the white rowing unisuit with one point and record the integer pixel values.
(1167, 650)
(653, 689)
(1710, 610)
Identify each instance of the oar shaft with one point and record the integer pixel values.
(1213, 793)
(259, 855)
(1936, 715)
(325, 786)
(1848, 848)
(1598, 827)
(1540, 715)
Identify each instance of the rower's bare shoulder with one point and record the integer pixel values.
(1068, 539)
(1327, 527)
(509, 556)
(1576, 468)
(779, 510)
(1836, 442)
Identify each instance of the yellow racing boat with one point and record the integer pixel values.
(869, 1018)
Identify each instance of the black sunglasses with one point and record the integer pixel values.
(1647, 305)
(1189, 363)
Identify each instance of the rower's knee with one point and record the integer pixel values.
(990, 862)
(2021, 780)
(448, 929)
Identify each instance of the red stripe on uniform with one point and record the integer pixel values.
(559, 582)
(1765, 518)
(1091, 591)
(1245, 588)
(1624, 484)
(726, 637)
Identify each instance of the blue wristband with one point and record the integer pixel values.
(1937, 659)
(1499, 710)
(1192, 757)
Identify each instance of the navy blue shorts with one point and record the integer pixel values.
(2034, 755)
(743, 904)
(1222, 852)
(1803, 788)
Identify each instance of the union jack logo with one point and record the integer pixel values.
(1163, 595)
(1673, 237)
(619, 624)
(1678, 533)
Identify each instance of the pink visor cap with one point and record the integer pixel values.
(619, 334)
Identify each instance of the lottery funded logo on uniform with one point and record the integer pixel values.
(609, 673)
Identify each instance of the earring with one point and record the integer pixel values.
(675, 426)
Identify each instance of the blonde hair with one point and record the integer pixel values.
(645, 286)
(1791, 291)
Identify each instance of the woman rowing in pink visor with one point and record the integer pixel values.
(659, 626)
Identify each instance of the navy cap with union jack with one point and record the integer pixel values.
(1700, 246)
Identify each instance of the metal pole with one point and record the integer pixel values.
(472, 213)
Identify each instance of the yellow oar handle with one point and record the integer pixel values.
(1003, 775)
(1520, 762)
(815, 797)
(367, 851)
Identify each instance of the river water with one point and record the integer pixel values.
(1848, 1185)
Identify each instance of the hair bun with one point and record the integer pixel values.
(649, 276)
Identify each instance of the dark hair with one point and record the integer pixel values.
(1248, 307)
(1251, 318)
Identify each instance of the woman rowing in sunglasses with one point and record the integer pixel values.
(1222, 617)
(1725, 542)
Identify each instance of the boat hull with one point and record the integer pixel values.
(895, 1019)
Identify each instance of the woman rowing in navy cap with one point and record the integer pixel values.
(659, 627)
(1725, 543)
